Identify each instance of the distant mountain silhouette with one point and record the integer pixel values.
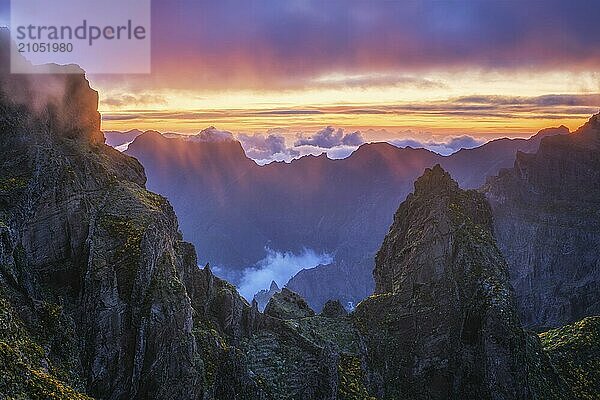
(231, 208)
(117, 138)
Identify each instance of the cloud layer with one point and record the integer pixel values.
(279, 267)
(337, 144)
(330, 137)
(273, 146)
(297, 43)
(266, 148)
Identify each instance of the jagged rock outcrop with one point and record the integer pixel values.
(333, 309)
(548, 227)
(299, 355)
(288, 305)
(443, 323)
(263, 296)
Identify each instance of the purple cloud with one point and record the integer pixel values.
(330, 137)
(274, 43)
(266, 147)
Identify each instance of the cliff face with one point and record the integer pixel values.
(93, 269)
(548, 227)
(442, 323)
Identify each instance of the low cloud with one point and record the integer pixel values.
(330, 137)
(130, 99)
(445, 147)
(279, 267)
(266, 147)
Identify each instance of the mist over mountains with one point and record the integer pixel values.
(233, 209)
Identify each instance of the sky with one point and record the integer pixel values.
(427, 70)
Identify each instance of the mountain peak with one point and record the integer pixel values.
(594, 121)
(435, 180)
(442, 287)
(560, 130)
(288, 305)
(61, 96)
(212, 134)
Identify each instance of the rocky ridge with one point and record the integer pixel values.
(547, 222)
(442, 323)
(263, 296)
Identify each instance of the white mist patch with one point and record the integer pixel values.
(279, 267)
(123, 147)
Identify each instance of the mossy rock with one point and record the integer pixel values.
(352, 379)
(575, 353)
(25, 372)
(13, 183)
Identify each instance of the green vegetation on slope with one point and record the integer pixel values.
(575, 352)
(352, 379)
(25, 372)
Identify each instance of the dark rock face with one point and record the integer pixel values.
(288, 305)
(548, 227)
(443, 322)
(92, 266)
(334, 309)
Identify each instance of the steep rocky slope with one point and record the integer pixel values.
(443, 323)
(99, 290)
(547, 220)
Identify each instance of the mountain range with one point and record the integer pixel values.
(233, 209)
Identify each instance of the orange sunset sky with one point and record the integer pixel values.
(424, 69)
